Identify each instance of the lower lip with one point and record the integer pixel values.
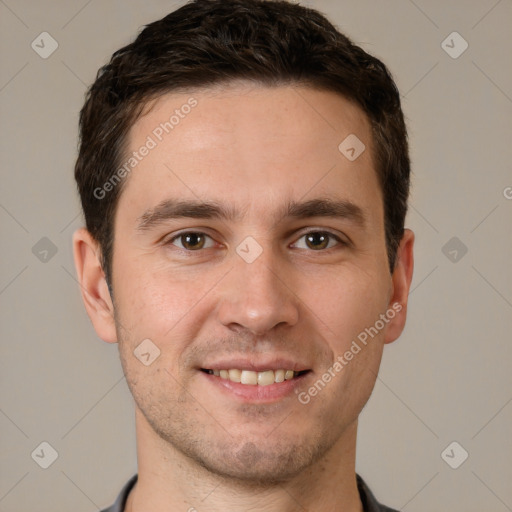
(256, 393)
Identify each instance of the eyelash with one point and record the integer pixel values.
(332, 236)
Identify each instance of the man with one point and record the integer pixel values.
(244, 176)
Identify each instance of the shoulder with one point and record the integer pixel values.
(120, 502)
(370, 503)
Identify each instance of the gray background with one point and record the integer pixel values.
(447, 379)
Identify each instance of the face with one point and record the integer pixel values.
(249, 248)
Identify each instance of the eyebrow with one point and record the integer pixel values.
(171, 209)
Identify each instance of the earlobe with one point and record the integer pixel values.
(401, 281)
(93, 285)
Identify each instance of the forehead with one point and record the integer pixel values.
(252, 146)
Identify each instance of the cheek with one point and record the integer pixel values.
(348, 303)
(166, 305)
(156, 317)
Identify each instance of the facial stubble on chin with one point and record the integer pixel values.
(211, 446)
(246, 461)
(214, 447)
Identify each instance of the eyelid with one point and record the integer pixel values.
(342, 240)
(169, 240)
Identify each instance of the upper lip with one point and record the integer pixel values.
(256, 365)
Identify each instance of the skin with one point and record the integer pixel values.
(252, 148)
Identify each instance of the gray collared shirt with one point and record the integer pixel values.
(370, 504)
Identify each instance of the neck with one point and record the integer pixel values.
(169, 481)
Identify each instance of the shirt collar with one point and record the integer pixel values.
(370, 504)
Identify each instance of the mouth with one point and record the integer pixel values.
(256, 378)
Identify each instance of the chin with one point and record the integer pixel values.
(254, 465)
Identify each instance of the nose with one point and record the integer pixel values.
(258, 296)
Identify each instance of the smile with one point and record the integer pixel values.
(252, 378)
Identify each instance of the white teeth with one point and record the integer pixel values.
(265, 378)
(279, 375)
(235, 375)
(251, 378)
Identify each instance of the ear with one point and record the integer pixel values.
(93, 284)
(401, 283)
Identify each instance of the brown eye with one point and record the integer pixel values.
(318, 240)
(191, 241)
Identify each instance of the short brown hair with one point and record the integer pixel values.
(208, 42)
